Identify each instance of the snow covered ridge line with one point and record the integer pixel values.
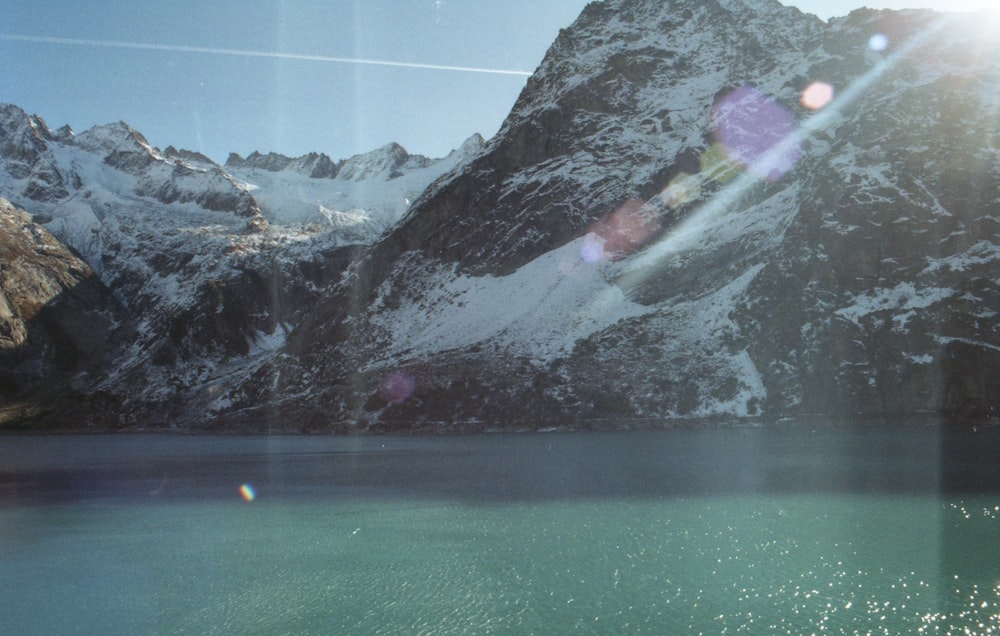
(213, 266)
(366, 193)
(385, 163)
(89, 185)
(46, 166)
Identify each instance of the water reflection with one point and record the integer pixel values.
(673, 463)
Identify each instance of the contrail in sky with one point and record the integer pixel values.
(250, 53)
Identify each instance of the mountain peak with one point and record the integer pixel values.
(117, 136)
(315, 165)
(660, 198)
(18, 127)
(664, 227)
(188, 156)
(383, 162)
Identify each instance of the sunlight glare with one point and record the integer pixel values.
(817, 95)
(747, 125)
(592, 248)
(878, 42)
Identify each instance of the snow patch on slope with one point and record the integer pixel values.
(540, 310)
(707, 320)
(904, 297)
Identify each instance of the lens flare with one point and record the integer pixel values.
(817, 95)
(878, 42)
(620, 233)
(715, 165)
(592, 248)
(248, 493)
(688, 232)
(757, 132)
(396, 387)
(683, 189)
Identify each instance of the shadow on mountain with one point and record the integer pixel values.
(57, 320)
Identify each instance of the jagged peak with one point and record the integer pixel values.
(316, 165)
(10, 113)
(474, 143)
(381, 162)
(117, 136)
(385, 162)
(188, 156)
(469, 148)
(64, 133)
(14, 119)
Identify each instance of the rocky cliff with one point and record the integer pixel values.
(56, 320)
(696, 209)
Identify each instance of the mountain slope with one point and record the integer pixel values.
(665, 228)
(56, 318)
(211, 267)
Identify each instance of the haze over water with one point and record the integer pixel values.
(840, 530)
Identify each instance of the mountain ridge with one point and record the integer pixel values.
(209, 266)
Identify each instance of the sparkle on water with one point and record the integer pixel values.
(733, 531)
(747, 565)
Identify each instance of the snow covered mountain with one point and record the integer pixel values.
(361, 196)
(696, 209)
(210, 266)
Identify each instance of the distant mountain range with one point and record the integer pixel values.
(141, 275)
(721, 210)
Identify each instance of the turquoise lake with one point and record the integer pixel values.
(717, 531)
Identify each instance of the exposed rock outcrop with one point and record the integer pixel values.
(56, 317)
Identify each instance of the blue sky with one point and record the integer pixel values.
(217, 102)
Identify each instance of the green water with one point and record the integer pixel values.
(757, 565)
(680, 532)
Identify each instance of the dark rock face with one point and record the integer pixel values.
(314, 165)
(188, 156)
(22, 147)
(849, 272)
(56, 317)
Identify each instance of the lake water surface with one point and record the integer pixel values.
(756, 531)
